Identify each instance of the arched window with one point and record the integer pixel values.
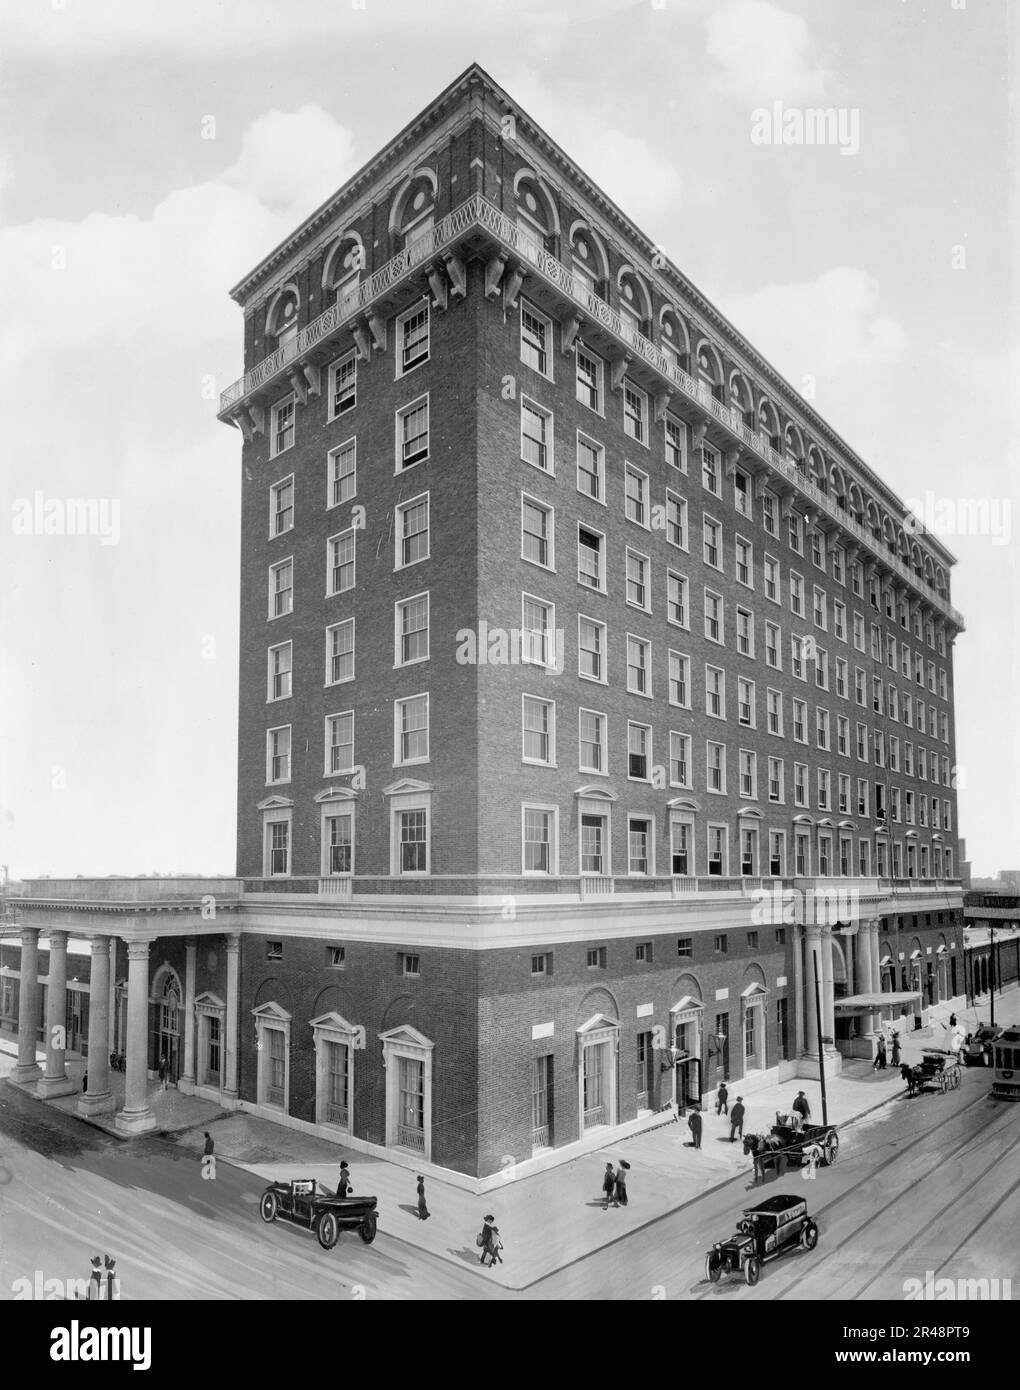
(794, 448)
(673, 341)
(412, 215)
(710, 368)
(588, 261)
(535, 215)
(635, 301)
(282, 318)
(740, 398)
(343, 268)
(768, 423)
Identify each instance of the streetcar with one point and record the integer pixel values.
(1006, 1060)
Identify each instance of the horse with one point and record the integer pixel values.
(912, 1077)
(766, 1150)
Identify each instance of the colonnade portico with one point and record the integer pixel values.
(136, 1116)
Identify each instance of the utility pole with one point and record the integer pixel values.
(821, 1043)
(991, 973)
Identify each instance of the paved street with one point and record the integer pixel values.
(922, 1184)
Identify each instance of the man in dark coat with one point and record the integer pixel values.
(208, 1146)
(609, 1188)
(722, 1099)
(737, 1119)
(801, 1107)
(694, 1124)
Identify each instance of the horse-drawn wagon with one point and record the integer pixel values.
(936, 1071)
(789, 1145)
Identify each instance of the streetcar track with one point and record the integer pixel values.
(973, 1232)
(940, 1160)
(711, 1291)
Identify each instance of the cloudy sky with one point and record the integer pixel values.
(151, 153)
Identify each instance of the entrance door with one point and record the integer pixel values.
(337, 1081)
(752, 1046)
(411, 1104)
(645, 1071)
(542, 1103)
(952, 974)
(595, 1096)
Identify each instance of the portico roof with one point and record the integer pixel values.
(868, 1003)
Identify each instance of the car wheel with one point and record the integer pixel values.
(367, 1230)
(809, 1236)
(713, 1269)
(752, 1270)
(831, 1149)
(328, 1230)
(269, 1206)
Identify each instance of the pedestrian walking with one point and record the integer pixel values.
(95, 1289)
(722, 1100)
(952, 1020)
(488, 1239)
(344, 1185)
(208, 1146)
(609, 1188)
(694, 1125)
(620, 1183)
(737, 1119)
(110, 1270)
(85, 1082)
(163, 1072)
(879, 1063)
(895, 1048)
(423, 1211)
(801, 1107)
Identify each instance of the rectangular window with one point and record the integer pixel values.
(412, 840)
(595, 958)
(679, 760)
(340, 652)
(539, 841)
(340, 742)
(412, 531)
(800, 793)
(711, 541)
(340, 563)
(800, 721)
(772, 580)
(639, 752)
(541, 964)
(591, 648)
(742, 493)
(637, 581)
(281, 434)
(822, 728)
(744, 554)
(639, 846)
(713, 617)
(748, 774)
(538, 622)
(773, 646)
(843, 735)
(590, 558)
(676, 443)
(776, 778)
(842, 672)
(589, 379)
(591, 468)
(413, 338)
(796, 594)
(281, 662)
(536, 435)
(591, 734)
(768, 512)
(679, 680)
(824, 789)
(342, 473)
(537, 532)
(796, 532)
(746, 702)
(536, 340)
(635, 412)
(635, 488)
(715, 692)
(710, 469)
(716, 767)
(281, 588)
(839, 620)
(717, 847)
(802, 854)
(281, 507)
(676, 520)
(278, 754)
(411, 728)
(411, 635)
(745, 632)
(343, 385)
(593, 844)
(677, 599)
(777, 861)
(682, 864)
(539, 730)
(639, 662)
(338, 836)
(819, 612)
(774, 699)
(413, 433)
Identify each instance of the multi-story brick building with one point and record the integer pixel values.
(577, 652)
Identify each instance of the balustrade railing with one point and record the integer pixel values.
(336, 886)
(596, 885)
(409, 1137)
(337, 1115)
(477, 210)
(540, 1137)
(595, 1116)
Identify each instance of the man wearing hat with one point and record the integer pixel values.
(737, 1119)
(110, 1269)
(491, 1243)
(802, 1108)
(95, 1291)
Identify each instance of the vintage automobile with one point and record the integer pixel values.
(306, 1203)
(773, 1227)
(977, 1050)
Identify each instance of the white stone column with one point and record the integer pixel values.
(876, 972)
(187, 1081)
(828, 1013)
(865, 959)
(136, 1117)
(812, 963)
(230, 1023)
(98, 1099)
(55, 1081)
(113, 990)
(799, 1041)
(27, 1069)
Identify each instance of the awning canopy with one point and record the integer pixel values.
(868, 1003)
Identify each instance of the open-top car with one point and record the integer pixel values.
(306, 1203)
(977, 1050)
(767, 1230)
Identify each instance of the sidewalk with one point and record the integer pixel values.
(554, 1218)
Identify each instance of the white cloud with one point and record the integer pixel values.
(291, 161)
(819, 326)
(764, 53)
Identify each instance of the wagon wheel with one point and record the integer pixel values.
(367, 1229)
(713, 1270)
(809, 1236)
(269, 1206)
(831, 1148)
(752, 1270)
(328, 1230)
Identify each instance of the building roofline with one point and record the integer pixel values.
(476, 74)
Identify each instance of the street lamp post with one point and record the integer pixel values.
(821, 1040)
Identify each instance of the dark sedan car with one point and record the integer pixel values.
(306, 1203)
(770, 1229)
